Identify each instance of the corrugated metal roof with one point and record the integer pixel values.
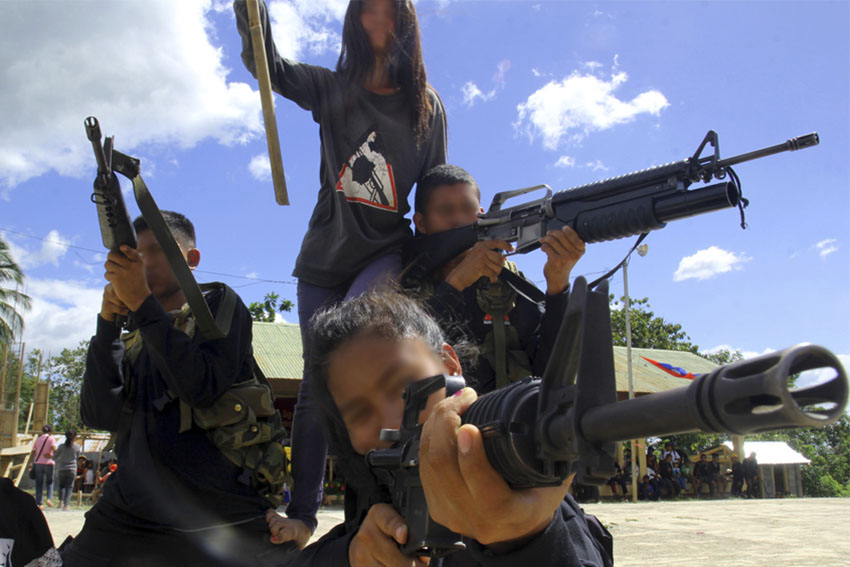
(648, 378)
(277, 348)
(772, 453)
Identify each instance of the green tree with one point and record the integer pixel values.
(829, 450)
(724, 356)
(265, 310)
(652, 331)
(65, 373)
(648, 330)
(11, 321)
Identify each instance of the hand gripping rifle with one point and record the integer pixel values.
(538, 431)
(614, 208)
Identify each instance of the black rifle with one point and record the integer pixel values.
(116, 228)
(537, 432)
(623, 206)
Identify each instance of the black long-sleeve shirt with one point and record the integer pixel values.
(165, 478)
(566, 542)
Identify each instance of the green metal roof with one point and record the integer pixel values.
(277, 348)
(648, 378)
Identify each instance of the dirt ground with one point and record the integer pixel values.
(805, 532)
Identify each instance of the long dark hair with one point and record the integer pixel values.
(405, 65)
(70, 435)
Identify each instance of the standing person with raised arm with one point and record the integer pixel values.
(381, 127)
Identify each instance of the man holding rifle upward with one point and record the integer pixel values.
(176, 499)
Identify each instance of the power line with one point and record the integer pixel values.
(253, 279)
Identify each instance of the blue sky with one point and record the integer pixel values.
(535, 92)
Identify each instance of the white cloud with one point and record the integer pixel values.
(820, 375)
(307, 26)
(159, 80)
(580, 104)
(596, 165)
(279, 318)
(53, 247)
(826, 247)
(472, 94)
(63, 313)
(565, 161)
(745, 353)
(260, 168)
(706, 264)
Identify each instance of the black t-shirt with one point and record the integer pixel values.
(369, 162)
(24, 534)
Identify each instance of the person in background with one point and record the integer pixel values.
(751, 474)
(737, 474)
(89, 477)
(703, 476)
(43, 463)
(66, 457)
(81, 474)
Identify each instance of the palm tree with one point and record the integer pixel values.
(11, 322)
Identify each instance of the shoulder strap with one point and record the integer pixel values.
(37, 457)
(212, 328)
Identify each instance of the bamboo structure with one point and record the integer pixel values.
(3, 377)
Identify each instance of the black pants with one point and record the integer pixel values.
(104, 543)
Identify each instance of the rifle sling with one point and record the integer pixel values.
(211, 328)
(500, 347)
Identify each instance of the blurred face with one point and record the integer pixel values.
(378, 20)
(366, 378)
(449, 206)
(158, 274)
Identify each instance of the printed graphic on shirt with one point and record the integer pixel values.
(6, 546)
(367, 178)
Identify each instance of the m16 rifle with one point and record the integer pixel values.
(116, 229)
(614, 208)
(539, 431)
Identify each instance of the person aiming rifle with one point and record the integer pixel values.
(366, 352)
(479, 296)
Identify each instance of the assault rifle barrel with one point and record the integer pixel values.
(791, 145)
(748, 396)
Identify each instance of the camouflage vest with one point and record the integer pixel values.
(242, 423)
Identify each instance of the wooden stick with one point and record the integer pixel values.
(262, 66)
(20, 376)
(29, 417)
(3, 377)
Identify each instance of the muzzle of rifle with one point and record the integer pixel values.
(747, 396)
